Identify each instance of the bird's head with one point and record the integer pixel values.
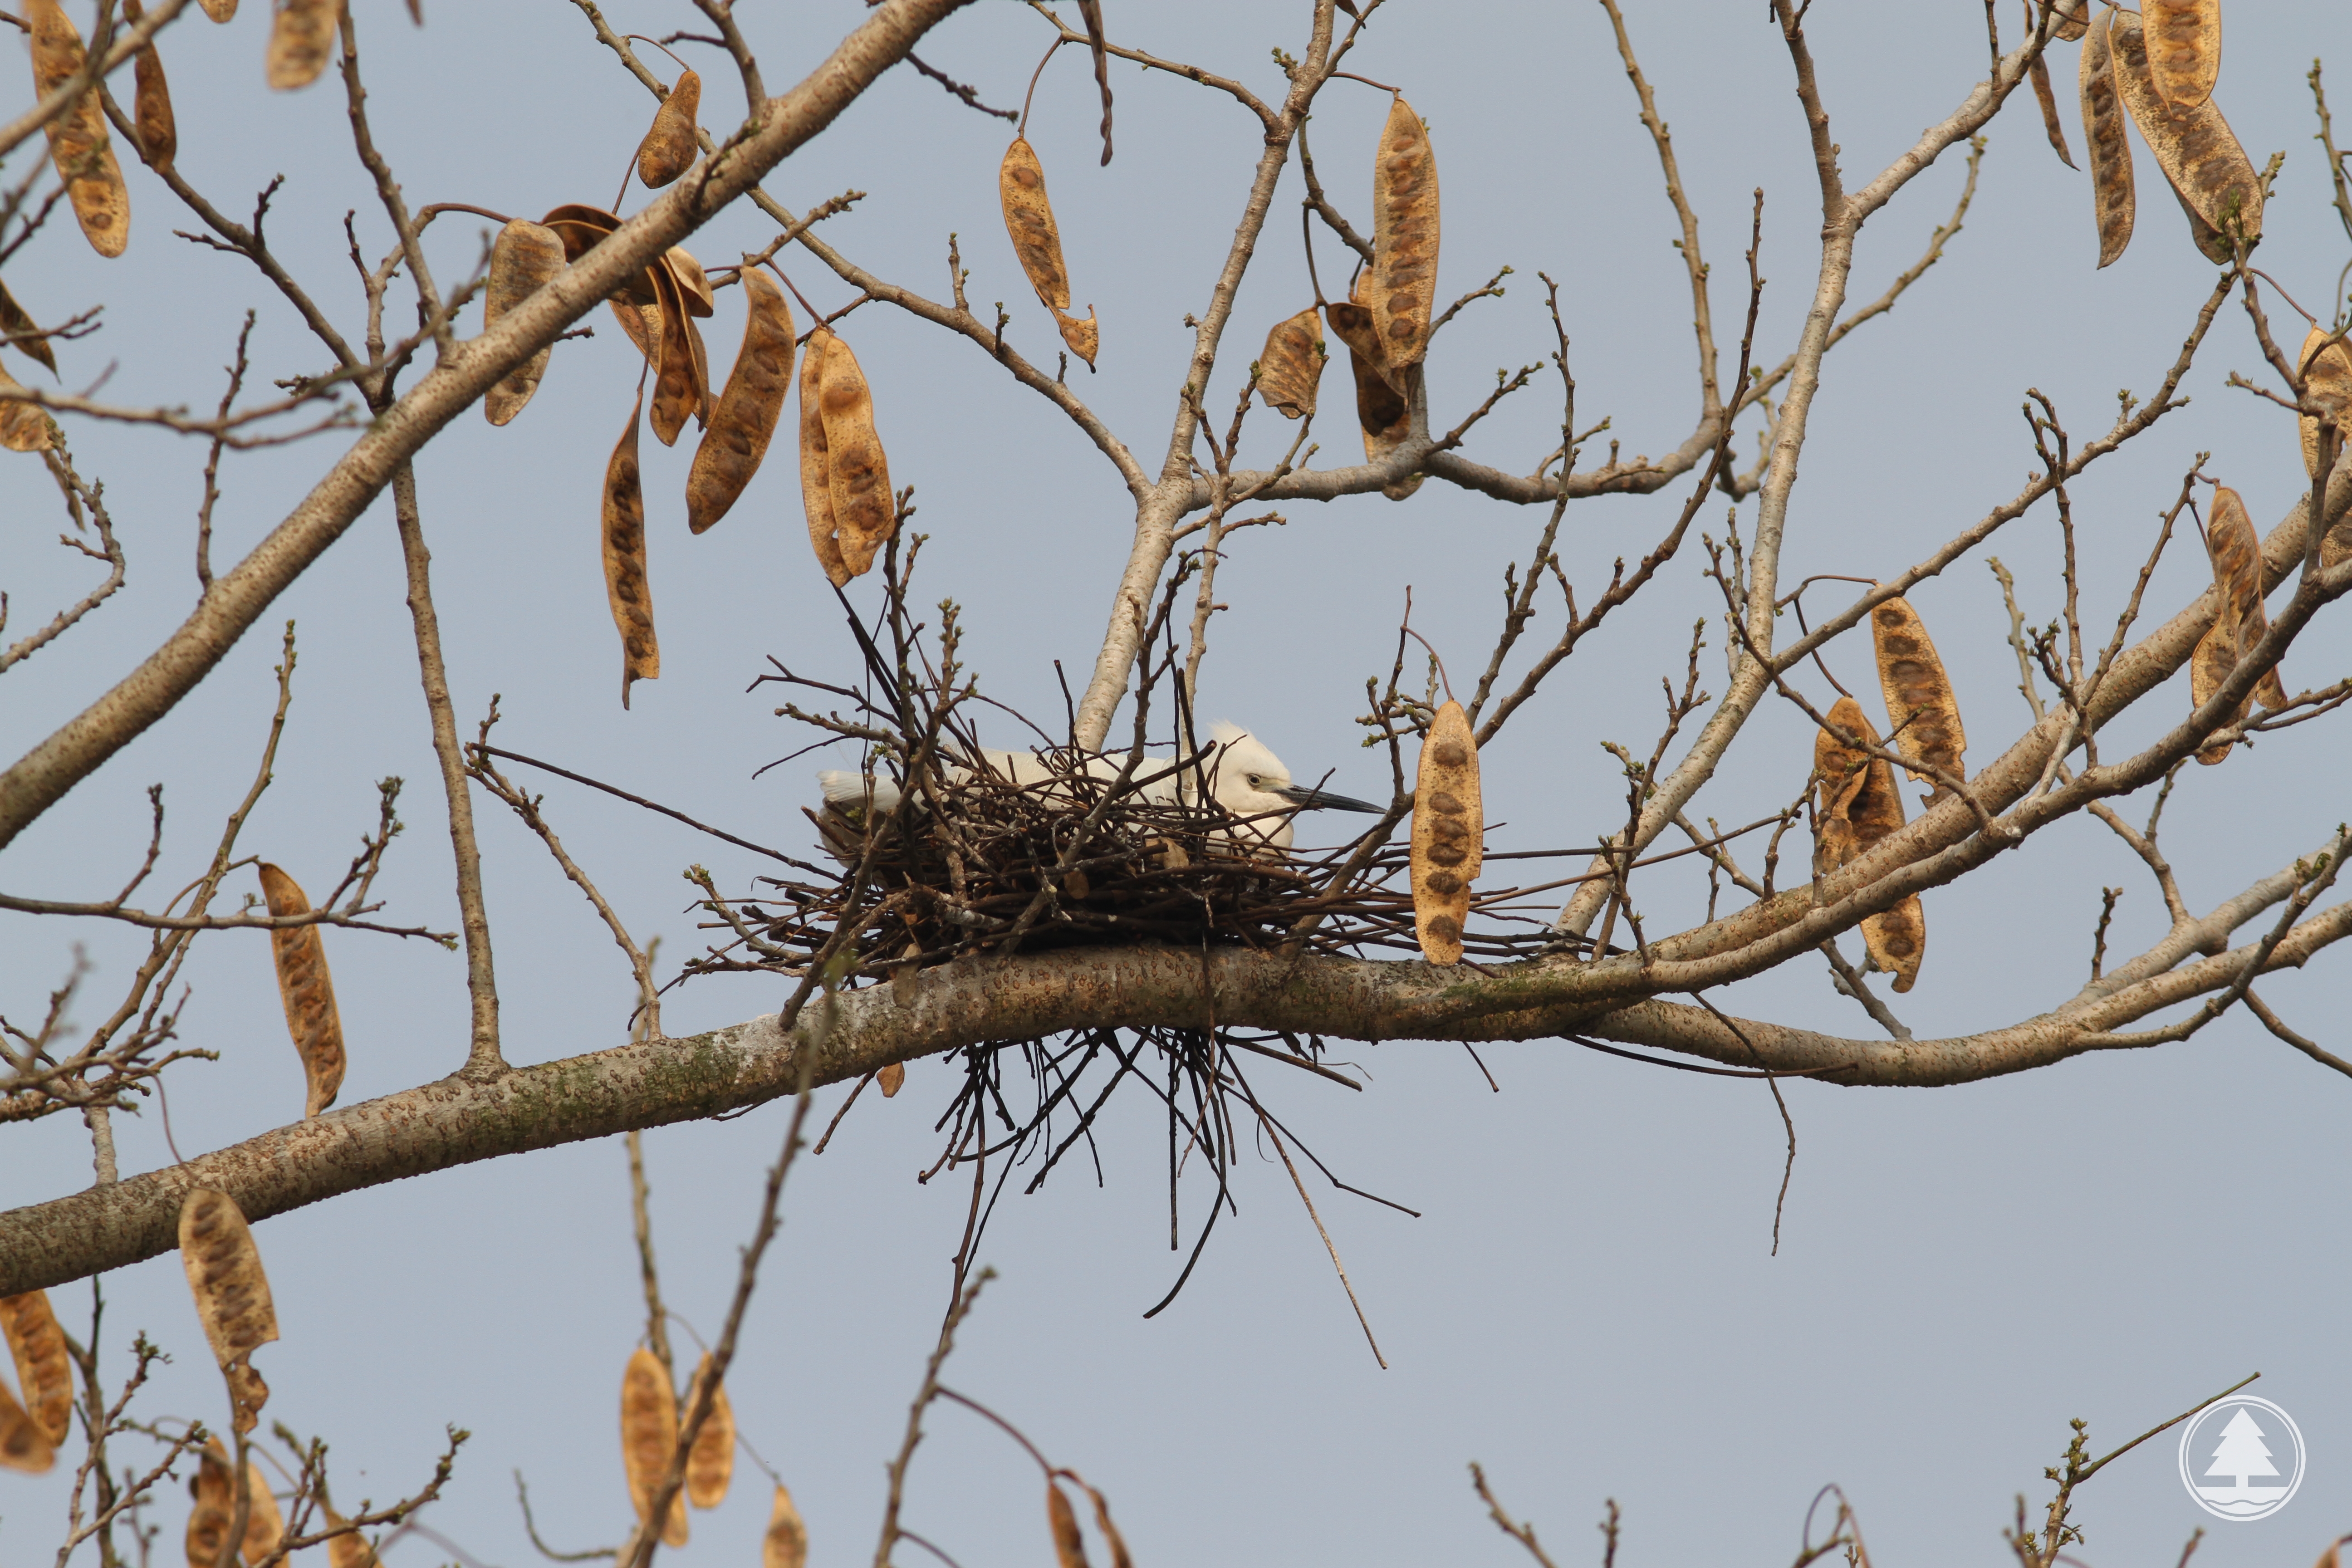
(1247, 779)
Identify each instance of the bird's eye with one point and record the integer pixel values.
(1255, 780)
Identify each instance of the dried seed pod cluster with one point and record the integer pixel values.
(648, 1437)
(1448, 834)
(670, 144)
(845, 475)
(78, 145)
(231, 1291)
(43, 1370)
(1919, 701)
(1855, 804)
(1037, 241)
(2200, 157)
(306, 989)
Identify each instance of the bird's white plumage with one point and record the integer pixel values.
(1245, 778)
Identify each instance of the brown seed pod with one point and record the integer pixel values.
(1291, 369)
(2236, 550)
(77, 139)
(710, 1463)
(648, 1439)
(625, 586)
(816, 463)
(159, 133)
(1855, 805)
(23, 1448)
(43, 1369)
(2109, 146)
(643, 325)
(786, 1545)
(2192, 144)
(1913, 681)
(1029, 223)
(300, 39)
(2215, 656)
(1119, 1555)
(1404, 240)
(2052, 126)
(215, 1501)
(307, 991)
(231, 1291)
(2184, 49)
(2074, 18)
(1448, 834)
(525, 255)
(1069, 1546)
(265, 1526)
(892, 1077)
(858, 473)
(24, 426)
(1085, 338)
(1383, 405)
(669, 147)
(744, 419)
(23, 334)
(2325, 363)
(682, 380)
(581, 228)
(219, 10)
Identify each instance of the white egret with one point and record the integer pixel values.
(1245, 778)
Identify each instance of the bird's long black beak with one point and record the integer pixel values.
(1306, 799)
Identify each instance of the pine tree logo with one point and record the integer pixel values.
(2241, 1458)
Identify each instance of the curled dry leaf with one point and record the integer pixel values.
(838, 435)
(231, 1291)
(892, 1077)
(159, 133)
(625, 586)
(1448, 834)
(525, 255)
(1069, 1546)
(1291, 369)
(2325, 363)
(2193, 145)
(669, 146)
(78, 140)
(648, 1439)
(306, 989)
(300, 39)
(2113, 203)
(1919, 701)
(1404, 240)
(2215, 656)
(2073, 18)
(24, 426)
(1855, 804)
(2184, 49)
(710, 1463)
(22, 1446)
(786, 1545)
(1029, 223)
(744, 419)
(43, 1370)
(2236, 550)
(21, 333)
(2052, 126)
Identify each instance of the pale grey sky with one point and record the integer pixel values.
(1587, 1305)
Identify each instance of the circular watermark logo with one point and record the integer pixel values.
(2242, 1457)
